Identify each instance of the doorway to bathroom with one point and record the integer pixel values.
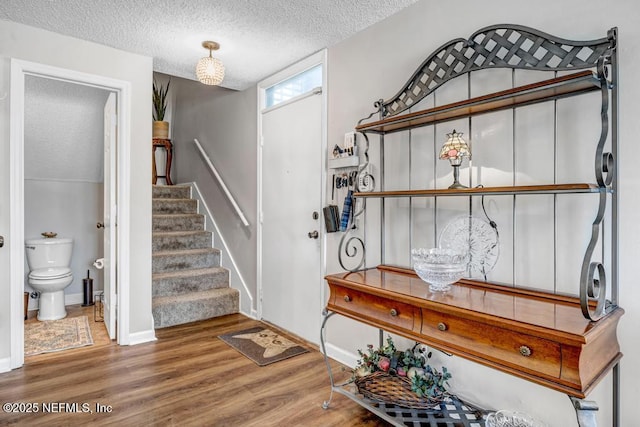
(37, 197)
(67, 127)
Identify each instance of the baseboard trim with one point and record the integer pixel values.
(74, 299)
(69, 299)
(142, 337)
(341, 355)
(5, 364)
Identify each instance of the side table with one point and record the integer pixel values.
(166, 143)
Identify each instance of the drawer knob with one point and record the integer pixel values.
(393, 312)
(525, 351)
(347, 298)
(442, 326)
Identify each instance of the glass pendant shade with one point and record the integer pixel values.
(210, 70)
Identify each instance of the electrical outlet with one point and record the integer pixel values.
(365, 181)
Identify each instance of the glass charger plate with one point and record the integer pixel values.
(468, 234)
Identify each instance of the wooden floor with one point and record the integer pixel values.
(188, 377)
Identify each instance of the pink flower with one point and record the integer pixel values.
(384, 364)
(401, 372)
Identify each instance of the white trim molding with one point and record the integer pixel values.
(5, 364)
(345, 357)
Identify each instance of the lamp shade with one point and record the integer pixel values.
(455, 148)
(210, 70)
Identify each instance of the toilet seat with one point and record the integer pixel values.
(50, 273)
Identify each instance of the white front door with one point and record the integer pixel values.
(110, 220)
(291, 209)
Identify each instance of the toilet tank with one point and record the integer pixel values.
(47, 253)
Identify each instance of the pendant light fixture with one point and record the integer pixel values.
(210, 70)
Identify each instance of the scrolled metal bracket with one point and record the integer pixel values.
(594, 291)
(585, 411)
(353, 246)
(350, 246)
(593, 280)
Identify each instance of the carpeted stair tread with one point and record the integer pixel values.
(171, 192)
(163, 261)
(192, 272)
(194, 306)
(175, 206)
(187, 252)
(178, 240)
(178, 222)
(183, 281)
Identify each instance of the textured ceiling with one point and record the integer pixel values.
(257, 37)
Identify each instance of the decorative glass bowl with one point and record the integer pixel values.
(439, 267)
(505, 418)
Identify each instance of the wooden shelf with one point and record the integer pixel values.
(560, 87)
(492, 191)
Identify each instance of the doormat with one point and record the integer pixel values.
(56, 335)
(262, 345)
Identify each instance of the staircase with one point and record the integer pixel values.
(188, 282)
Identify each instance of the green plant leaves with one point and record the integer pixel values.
(160, 100)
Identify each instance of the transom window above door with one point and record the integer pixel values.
(297, 85)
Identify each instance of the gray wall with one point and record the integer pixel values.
(224, 121)
(64, 171)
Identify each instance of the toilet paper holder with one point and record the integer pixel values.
(99, 263)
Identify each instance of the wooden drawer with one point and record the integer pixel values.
(506, 347)
(377, 310)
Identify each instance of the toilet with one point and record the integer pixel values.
(50, 274)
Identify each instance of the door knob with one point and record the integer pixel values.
(313, 234)
(100, 225)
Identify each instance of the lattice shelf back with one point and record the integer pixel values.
(499, 46)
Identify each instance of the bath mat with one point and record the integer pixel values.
(263, 345)
(56, 335)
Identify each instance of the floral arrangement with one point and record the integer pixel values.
(412, 363)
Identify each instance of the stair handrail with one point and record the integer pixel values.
(222, 184)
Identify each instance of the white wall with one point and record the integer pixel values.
(27, 43)
(224, 121)
(375, 63)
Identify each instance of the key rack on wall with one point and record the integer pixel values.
(559, 335)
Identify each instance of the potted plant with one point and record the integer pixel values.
(160, 127)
